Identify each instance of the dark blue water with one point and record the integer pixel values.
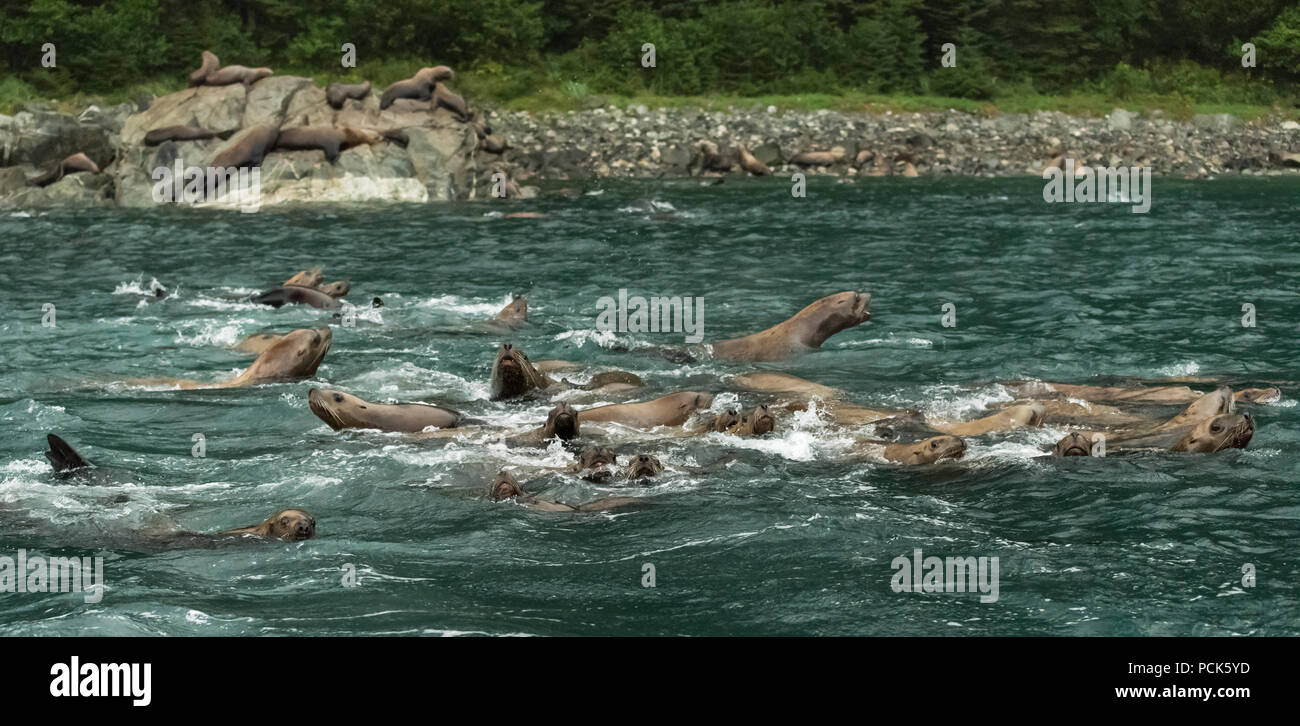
(794, 537)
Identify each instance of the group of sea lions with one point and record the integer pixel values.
(1209, 422)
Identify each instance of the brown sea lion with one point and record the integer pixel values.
(231, 75)
(808, 329)
(721, 422)
(642, 467)
(71, 165)
(757, 422)
(293, 357)
(443, 96)
(206, 67)
(184, 133)
(307, 278)
(1165, 435)
(1134, 394)
(293, 525)
(562, 422)
(1224, 431)
(1075, 443)
(671, 410)
(419, 87)
(927, 451)
(711, 158)
(506, 487)
(258, 343)
(513, 375)
(296, 294)
(836, 155)
(750, 163)
(250, 149)
(331, 140)
(1025, 414)
(344, 411)
(515, 313)
(595, 464)
(336, 289)
(337, 93)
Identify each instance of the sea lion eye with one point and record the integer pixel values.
(934, 444)
(1216, 427)
(338, 398)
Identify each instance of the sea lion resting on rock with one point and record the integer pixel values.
(419, 87)
(513, 375)
(337, 93)
(236, 74)
(331, 140)
(209, 65)
(806, 330)
(750, 163)
(507, 487)
(443, 96)
(294, 357)
(671, 410)
(296, 294)
(344, 411)
(74, 163)
(836, 155)
(184, 133)
(250, 149)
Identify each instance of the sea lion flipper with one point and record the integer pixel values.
(62, 456)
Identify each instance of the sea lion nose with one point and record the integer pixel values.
(643, 458)
(506, 346)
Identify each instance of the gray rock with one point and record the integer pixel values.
(1121, 120)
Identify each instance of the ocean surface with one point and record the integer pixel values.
(792, 537)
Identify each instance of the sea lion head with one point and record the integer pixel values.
(1258, 395)
(834, 313)
(296, 355)
(1075, 443)
(758, 422)
(293, 525)
(726, 420)
(1211, 404)
(307, 278)
(643, 466)
(1224, 431)
(932, 450)
(505, 486)
(434, 74)
(596, 463)
(517, 310)
(337, 409)
(336, 289)
(562, 422)
(512, 373)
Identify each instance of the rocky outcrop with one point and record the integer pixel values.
(437, 163)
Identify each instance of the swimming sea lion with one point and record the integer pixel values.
(595, 464)
(562, 422)
(419, 87)
(1075, 443)
(671, 410)
(209, 64)
(336, 289)
(236, 74)
(294, 294)
(257, 343)
(295, 356)
(250, 149)
(292, 525)
(750, 163)
(72, 164)
(513, 375)
(1026, 414)
(1224, 431)
(331, 140)
(721, 422)
(337, 93)
(506, 487)
(1165, 435)
(344, 411)
(184, 133)
(808, 329)
(307, 278)
(642, 467)
(927, 451)
(836, 155)
(515, 313)
(755, 423)
(1134, 394)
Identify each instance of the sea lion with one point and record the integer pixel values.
(562, 422)
(336, 289)
(396, 136)
(295, 294)
(258, 343)
(1134, 394)
(443, 96)
(595, 464)
(1075, 443)
(344, 411)
(1025, 414)
(337, 93)
(69, 465)
(293, 357)
(671, 410)
(750, 163)
(307, 278)
(515, 313)
(927, 451)
(513, 375)
(757, 422)
(642, 467)
(419, 87)
(806, 330)
(206, 68)
(506, 487)
(292, 525)
(250, 149)
(1165, 435)
(836, 155)
(1224, 431)
(711, 158)
(721, 422)
(184, 133)
(71, 165)
(231, 75)
(331, 140)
